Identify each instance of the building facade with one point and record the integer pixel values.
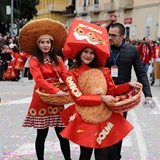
(52, 9)
(140, 17)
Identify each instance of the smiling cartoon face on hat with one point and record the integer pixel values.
(36, 30)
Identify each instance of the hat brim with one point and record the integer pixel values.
(75, 49)
(32, 30)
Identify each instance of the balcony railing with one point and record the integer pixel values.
(82, 11)
(110, 7)
(94, 8)
(54, 7)
(70, 11)
(39, 11)
(125, 4)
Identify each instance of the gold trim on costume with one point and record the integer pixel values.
(50, 110)
(32, 111)
(42, 112)
(55, 110)
(61, 109)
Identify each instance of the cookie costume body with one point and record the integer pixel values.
(96, 135)
(90, 122)
(40, 114)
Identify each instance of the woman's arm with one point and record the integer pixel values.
(39, 79)
(80, 98)
(118, 89)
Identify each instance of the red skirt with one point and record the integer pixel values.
(10, 73)
(19, 64)
(101, 135)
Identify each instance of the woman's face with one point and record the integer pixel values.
(45, 45)
(87, 56)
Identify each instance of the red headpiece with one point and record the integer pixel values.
(84, 34)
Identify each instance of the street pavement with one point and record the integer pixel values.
(17, 142)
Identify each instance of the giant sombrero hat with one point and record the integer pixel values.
(84, 34)
(34, 29)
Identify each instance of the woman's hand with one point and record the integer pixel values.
(61, 93)
(108, 98)
(135, 84)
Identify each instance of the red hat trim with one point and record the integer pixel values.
(84, 34)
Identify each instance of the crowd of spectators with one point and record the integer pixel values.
(15, 63)
(149, 52)
(12, 59)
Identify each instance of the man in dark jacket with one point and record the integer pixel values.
(122, 58)
(5, 56)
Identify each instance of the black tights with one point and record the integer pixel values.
(99, 153)
(40, 140)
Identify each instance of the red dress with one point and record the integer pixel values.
(146, 52)
(100, 135)
(15, 65)
(18, 61)
(41, 115)
(156, 53)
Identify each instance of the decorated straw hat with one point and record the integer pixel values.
(84, 34)
(32, 31)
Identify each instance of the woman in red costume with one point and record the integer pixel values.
(42, 39)
(18, 61)
(16, 65)
(90, 123)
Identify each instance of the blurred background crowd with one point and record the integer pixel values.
(14, 63)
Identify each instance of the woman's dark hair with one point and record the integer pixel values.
(94, 64)
(15, 49)
(52, 54)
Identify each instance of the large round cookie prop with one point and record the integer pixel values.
(92, 81)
